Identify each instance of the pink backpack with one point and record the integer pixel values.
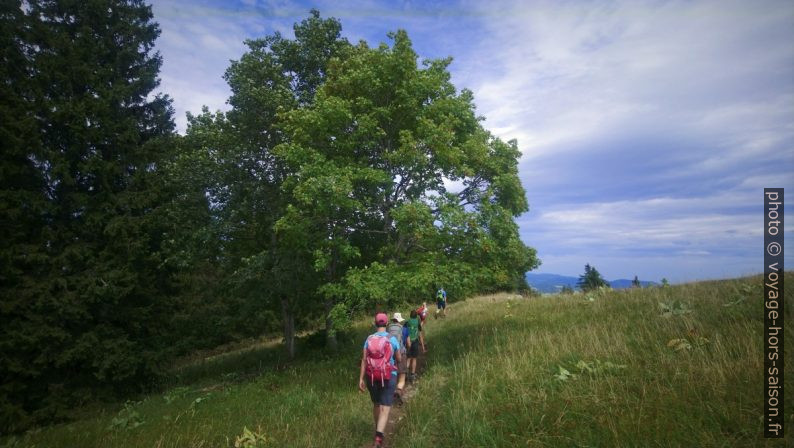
(379, 352)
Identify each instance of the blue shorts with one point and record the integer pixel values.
(441, 304)
(382, 394)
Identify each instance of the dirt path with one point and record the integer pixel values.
(398, 412)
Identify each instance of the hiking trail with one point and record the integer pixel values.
(397, 413)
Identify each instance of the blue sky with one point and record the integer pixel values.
(648, 130)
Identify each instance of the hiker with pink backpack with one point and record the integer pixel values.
(378, 373)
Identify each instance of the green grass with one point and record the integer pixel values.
(492, 379)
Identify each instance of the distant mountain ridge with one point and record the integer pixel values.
(551, 283)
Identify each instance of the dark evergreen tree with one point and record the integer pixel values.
(86, 312)
(23, 205)
(636, 283)
(591, 279)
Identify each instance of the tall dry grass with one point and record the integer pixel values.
(639, 376)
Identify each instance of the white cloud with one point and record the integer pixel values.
(197, 43)
(648, 129)
(570, 72)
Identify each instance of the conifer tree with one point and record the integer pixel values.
(591, 279)
(89, 140)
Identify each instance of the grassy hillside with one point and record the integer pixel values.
(679, 366)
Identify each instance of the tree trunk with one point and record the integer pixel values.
(289, 326)
(330, 334)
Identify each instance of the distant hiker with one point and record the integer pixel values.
(422, 312)
(378, 367)
(397, 330)
(441, 302)
(415, 339)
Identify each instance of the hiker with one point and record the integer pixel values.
(415, 339)
(400, 332)
(422, 312)
(441, 302)
(378, 367)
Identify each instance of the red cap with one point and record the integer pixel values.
(381, 319)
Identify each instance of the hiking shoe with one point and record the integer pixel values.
(378, 442)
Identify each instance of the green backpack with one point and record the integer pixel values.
(413, 328)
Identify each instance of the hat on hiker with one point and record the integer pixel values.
(398, 317)
(381, 319)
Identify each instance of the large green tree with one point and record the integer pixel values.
(373, 158)
(83, 305)
(244, 179)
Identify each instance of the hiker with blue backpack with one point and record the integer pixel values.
(378, 373)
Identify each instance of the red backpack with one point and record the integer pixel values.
(379, 353)
(422, 312)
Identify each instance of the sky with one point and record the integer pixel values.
(648, 129)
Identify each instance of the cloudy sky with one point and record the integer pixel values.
(648, 130)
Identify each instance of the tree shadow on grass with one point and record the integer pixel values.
(245, 364)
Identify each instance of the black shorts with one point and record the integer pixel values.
(413, 352)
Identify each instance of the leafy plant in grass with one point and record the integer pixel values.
(127, 418)
(508, 314)
(564, 374)
(596, 367)
(194, 404)
(592, 368)
(676, 308)
(692, 341)
(175, 393)
(250, 439)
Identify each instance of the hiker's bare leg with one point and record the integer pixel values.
(383, 418)
(401, 382)
(376, 414)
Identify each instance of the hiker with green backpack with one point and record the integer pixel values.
(441, 303)
(415, 339)
(378, 373)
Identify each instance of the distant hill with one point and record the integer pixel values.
(624, 283)
(551, 283)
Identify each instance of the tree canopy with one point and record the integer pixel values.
(375, 157)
